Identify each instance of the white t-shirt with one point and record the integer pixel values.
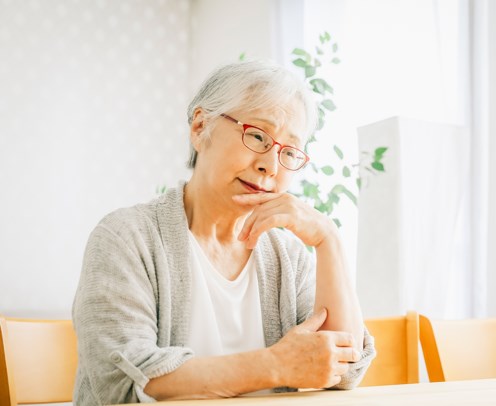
(226, 316)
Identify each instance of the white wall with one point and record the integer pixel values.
(92, 118)
(221, 30)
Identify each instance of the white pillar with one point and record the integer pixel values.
(409, 233)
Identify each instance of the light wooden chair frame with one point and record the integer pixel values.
(38, 361)
(397, 345)
(457, 350)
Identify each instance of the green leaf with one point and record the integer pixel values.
(335, 60)
(329, 88)
(337, 189)
(300, 62)
(319, 51)
(310, 190)
(320, 86)
(378, 166)
(161, 189)
(242, 56)
(333, 197)
(379, 152)
(321, 119)
(346, 172)
(321, 123)
(334, 47)
(311, 139)
(323, 207)
(338, 152)
(325, 37)
(337, 222)
(328, 170)
(328, 104)
(302, 52)
(350, 195)
(299, 51)
(314, 167)
(309, 71)
(359, 183)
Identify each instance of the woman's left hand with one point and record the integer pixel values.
(283, 210)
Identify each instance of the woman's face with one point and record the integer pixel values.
(227, 167)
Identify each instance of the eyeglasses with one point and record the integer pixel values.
(257, 140)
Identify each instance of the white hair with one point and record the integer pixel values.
(248, 86)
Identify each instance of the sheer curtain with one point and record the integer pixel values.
(482, 105)
(426, 60)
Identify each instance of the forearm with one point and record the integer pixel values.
(335, 291)
(215, 377)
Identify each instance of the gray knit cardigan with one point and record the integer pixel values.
(131, 311)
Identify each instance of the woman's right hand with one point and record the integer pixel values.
(308, 358)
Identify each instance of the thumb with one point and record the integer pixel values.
(314, 322)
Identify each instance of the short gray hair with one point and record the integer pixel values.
(251, 85)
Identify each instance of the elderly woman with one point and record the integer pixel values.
(209, 290)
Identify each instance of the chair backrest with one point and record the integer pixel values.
(38, 361)
(396, 342)
(456, 350)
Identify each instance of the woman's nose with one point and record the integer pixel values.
(268, 163)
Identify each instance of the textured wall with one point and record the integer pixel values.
(92, 118)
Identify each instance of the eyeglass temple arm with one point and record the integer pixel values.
(231, 119)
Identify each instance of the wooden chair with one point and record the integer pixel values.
(396, 342)
(459, 349)
(38, 360)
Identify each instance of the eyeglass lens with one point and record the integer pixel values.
(260, 142)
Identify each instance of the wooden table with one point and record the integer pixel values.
(466, 393)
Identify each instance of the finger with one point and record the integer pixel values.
(333, 381)
(267, 211)
(245, 231)
(347, 354)
(252, 199)
(343, 339)
(266, 222)
(314, 322)
(341, 368)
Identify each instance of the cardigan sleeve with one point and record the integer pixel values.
(115, 318)
(358, 369)
(306, 280)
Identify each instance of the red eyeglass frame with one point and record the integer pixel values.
(274, 142)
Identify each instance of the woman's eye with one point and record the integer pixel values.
(289, 153)
(257, 136)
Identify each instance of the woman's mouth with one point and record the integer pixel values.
(251, 187)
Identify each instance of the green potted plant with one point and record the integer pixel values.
(310, 190)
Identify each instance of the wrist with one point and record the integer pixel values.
(272, 366)
(327, 232)
(329, 241)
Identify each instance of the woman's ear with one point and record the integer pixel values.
(197, 127)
